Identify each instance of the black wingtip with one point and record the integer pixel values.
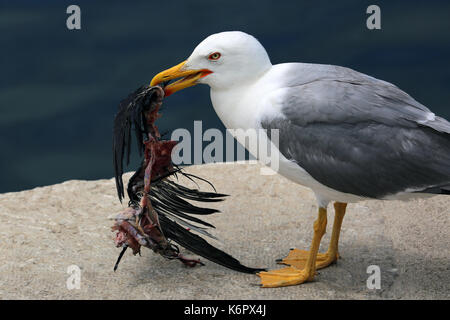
(120, 258)
(201, 247)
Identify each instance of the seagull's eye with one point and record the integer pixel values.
(214, 56)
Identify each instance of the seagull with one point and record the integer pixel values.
(345, 135)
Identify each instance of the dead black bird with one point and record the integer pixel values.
(158, 212)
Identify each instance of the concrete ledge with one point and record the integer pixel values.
(45, 230)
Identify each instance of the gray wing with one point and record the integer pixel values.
(363, 136)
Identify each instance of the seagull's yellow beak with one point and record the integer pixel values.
(189, 78)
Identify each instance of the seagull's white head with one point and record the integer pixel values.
(222, 60)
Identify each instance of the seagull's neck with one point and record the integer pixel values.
(233, 107)
(236, 106)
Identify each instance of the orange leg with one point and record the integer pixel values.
(297, 258)
(290, 276)
(303, 264)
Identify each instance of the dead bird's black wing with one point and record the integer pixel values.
(179, 217)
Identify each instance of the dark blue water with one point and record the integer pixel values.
(59, 89)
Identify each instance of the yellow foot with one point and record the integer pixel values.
(288, 276)
(297, 258)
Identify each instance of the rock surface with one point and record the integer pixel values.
(45, 230)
